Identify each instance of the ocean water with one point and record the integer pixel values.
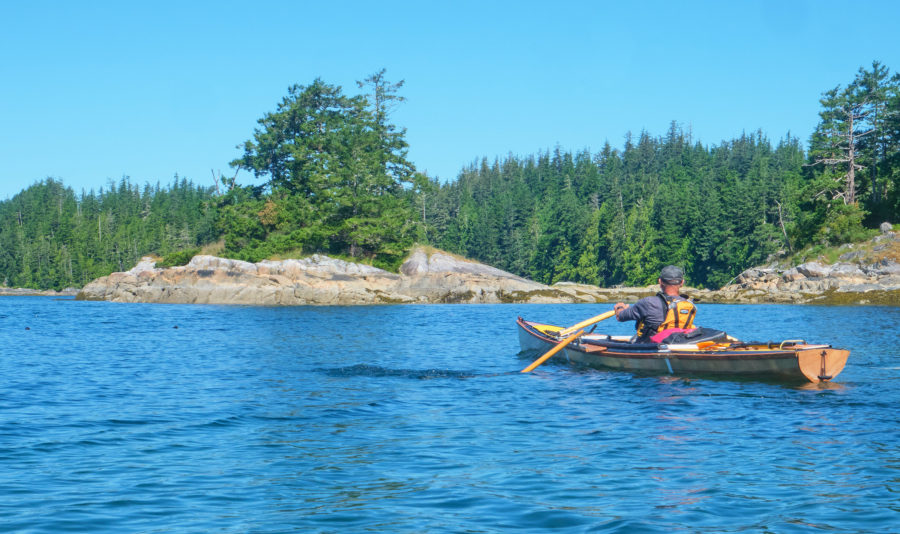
(176, 418)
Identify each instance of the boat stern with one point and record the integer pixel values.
(822, 364)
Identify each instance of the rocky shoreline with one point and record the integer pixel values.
(814, 282)
(319, 280)
(866, 273)
(439, 277)
(25, 292)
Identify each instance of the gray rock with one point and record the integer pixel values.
(817, 285)
(420, 263)
(792, 275)
(814, 269)
(747, 276)
(886, 227)
(859, 288)
(26, 292)
(318, 263)
(890, 283)
(216, 263)
(145, 264)
(416, 264)
(846, 270)
(755, 275)
(884, 267)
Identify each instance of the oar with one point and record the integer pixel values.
(559, 346)
(587, 322)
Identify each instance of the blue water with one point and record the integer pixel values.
(175, 418)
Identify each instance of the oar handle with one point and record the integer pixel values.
(586, 322)
(559, 346)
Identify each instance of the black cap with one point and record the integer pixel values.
(671, 274)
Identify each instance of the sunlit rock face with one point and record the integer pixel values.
(424, 278)
(439, 277)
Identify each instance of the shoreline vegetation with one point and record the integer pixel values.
(432, 276)
(331, 178)
(863, 274)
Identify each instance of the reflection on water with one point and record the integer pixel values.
(821, 386)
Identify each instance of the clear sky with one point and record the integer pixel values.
(94, 91)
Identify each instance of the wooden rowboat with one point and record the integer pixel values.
(787, 360)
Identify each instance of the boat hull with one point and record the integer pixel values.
(813, 363)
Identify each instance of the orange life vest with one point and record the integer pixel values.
(680, 312)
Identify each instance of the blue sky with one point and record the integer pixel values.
(94, 91)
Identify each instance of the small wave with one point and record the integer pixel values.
(377, 371)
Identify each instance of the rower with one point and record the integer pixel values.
(662, 315)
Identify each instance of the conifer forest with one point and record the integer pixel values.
(332, 176)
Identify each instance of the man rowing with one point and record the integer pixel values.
(662, 315)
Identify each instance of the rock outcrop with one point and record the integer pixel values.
(25, 292)
(865, 274)
(424, 278)
(840, 283)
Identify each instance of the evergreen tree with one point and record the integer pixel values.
(337, 175)
(51, 238)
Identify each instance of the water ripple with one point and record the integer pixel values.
(113, 421)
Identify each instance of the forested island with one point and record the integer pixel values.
(336, 180)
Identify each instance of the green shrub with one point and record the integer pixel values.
(179, 258)
(844, 225)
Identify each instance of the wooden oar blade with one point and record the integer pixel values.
(587, 322)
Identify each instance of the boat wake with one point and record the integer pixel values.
(377, 371)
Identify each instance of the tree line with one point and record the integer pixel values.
(618, 216)
(335, 178)
(53, 238)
